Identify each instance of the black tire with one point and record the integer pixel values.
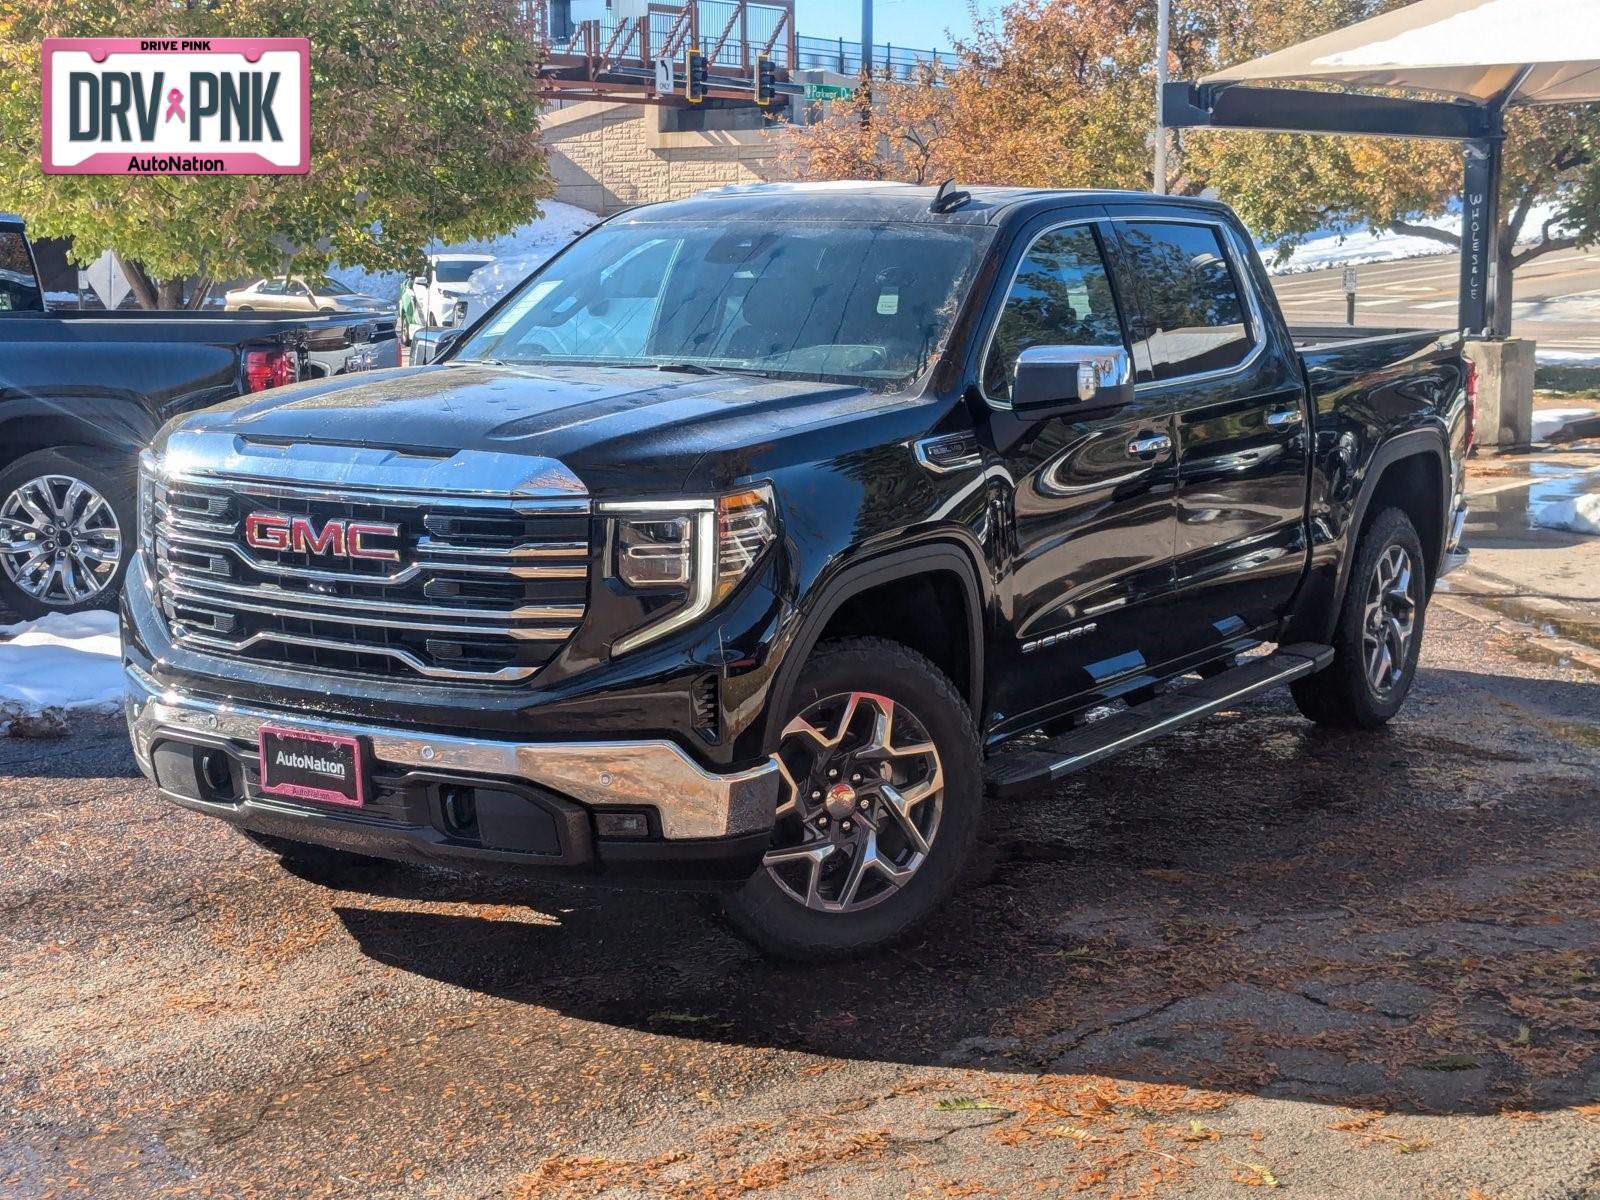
(779, 922)
(113, 476)
(1345, 695)
(315, 861)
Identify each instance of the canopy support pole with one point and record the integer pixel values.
(1480, 235)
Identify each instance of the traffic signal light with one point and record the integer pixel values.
(694, 75)
(766, 81)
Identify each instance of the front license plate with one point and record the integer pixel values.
(312, 766)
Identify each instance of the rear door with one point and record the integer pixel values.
(1093, 494)
(1203, 347)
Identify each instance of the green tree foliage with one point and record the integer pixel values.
(424, 124)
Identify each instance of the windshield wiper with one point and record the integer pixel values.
(689, 368)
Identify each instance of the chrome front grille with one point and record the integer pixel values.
(481, 588)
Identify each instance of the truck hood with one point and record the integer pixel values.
(621, 431)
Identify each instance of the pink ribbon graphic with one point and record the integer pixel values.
(175, 106)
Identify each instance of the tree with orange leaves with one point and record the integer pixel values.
(1060, 93)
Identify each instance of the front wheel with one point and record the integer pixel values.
(1379, 633)
(66, 529)
(879, 809)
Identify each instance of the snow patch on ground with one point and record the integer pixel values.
(1548, 420)
(62, 660)
(1579, 514)
(523, 249)
(1568, 358)
(1581, 307)
(1340, 246)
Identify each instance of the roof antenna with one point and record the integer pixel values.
(948, 200)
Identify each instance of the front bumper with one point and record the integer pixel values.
(538, 805)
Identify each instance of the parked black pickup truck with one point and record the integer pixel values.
(740, 545)
(82, 392)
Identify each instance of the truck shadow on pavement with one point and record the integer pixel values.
(1407, 921)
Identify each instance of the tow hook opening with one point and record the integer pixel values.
(460, 810)
(216, 775)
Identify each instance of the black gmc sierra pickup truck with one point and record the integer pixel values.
(739, 545)
(81, 393)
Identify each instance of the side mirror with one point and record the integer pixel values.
(1066, 379)
(432, 344)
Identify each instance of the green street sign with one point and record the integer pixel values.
(829, 91)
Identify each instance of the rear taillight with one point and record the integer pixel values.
(399, 351)
(265, 369)
(1472, 403)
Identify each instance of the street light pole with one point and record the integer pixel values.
(866, 38)
(1163, 40)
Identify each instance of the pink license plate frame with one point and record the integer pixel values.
(312, 740)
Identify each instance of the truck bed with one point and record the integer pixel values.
(1314, 337)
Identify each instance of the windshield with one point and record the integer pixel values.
(458, 270)
(327, 285)
(865, 304)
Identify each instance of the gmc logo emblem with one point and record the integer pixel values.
(277, 531)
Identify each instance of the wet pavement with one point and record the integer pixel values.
(1548, 579)
(1257, 954)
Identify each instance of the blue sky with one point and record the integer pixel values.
(918, 24)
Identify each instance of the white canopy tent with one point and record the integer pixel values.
(1471, 59)
(1480, 51)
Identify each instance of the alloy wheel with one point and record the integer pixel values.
(60, 542)
(863, 789)
(1389, 620)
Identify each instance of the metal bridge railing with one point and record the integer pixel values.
(844, 57)
(730, 32)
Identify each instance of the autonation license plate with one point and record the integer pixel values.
(312, 766)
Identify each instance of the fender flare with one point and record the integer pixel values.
(1411, 444)
(929, 558)
(71, 427)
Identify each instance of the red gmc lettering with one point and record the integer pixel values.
(355, 548)
(304, 538)
(267, 531)
(275, 531)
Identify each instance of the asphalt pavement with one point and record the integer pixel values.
(1256, 954)
(1556, 298)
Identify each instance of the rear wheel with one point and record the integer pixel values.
(879, 809)
(66, 529)
(1379, 634)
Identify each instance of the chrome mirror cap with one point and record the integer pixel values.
(1051, 375)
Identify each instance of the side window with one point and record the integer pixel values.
(19, 288)
(1060, 297)
(1191, 312)
(271, 287)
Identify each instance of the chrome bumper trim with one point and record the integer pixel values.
(692, 802)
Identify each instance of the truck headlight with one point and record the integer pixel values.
(149, 481)
(700, 550)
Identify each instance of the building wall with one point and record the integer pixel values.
(607, 157)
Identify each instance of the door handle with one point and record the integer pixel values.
(1149, 447)
(1284, 417)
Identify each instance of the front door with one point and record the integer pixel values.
(1201, 346)
(1093, 498)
